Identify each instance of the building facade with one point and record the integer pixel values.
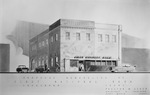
(68, 44)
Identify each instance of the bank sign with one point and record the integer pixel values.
(92, 57)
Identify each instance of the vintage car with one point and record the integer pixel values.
(22, 69)
(41, 69)
(124, 68)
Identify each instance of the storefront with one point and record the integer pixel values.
(89, 63)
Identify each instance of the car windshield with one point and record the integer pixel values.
(21, 66)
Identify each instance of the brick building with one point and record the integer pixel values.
(68, 43)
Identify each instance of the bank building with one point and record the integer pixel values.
(68, 44)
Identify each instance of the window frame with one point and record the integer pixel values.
(88, 36)
(100, 38)
(107, 38)
(78, 36)
(52, 62)
(52, 39)
(47, 41)
(56, 37)
(67, 35)
(43, 43)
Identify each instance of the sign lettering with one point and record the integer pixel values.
(92, 57)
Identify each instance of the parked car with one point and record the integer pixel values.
(22, 69)
(124, 68)
(41, 69)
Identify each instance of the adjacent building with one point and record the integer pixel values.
(68, 43)
(4, 57)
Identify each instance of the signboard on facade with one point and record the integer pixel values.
(92, 57)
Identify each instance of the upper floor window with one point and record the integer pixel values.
(77, 36)
(40, 44)
(67, 35)
(33, 48)
(100, 37)
(56, 37)
(114, 39)
(107, 38)
(43, 43)
(47, 41)
(88, 36)
(51, 38)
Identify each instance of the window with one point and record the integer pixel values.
(56, 37)
(47, 41)
(52, 39)
(43, 60)
(33, 48)
(73, 63)
(107, 38)
(114, 63)
(39, 62)
(32, 64)
(114, 38)
(52, 63)
(103, 63)
(56, 59)
(39, 44)
(92, 63)
(43, 43)
(67, 35)
(108, 62)
(100, 37)
(77, 36)
(46, 59)
(88, 36)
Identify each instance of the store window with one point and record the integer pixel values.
(88, 36)
(100, 37)
(103, 63)
(56, 59)
(32, 64)
(108, 62)
(67, 35)
(52, 63)
(47, 60)
(114, 39)
(114, 63)
(77, 36)
(107, 38)
(73, 63)
(92, 63)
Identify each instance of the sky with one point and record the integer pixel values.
(133, 15)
